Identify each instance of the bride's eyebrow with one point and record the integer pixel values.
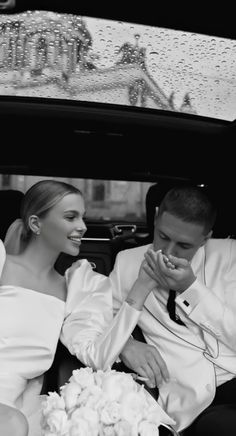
(71, 211)
(75, 212)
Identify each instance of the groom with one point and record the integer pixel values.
(188, 321)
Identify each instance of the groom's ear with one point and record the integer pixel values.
(208, 236)
(156, 213)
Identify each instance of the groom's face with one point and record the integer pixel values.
(177, 237)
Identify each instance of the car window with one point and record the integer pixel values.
(65, 56)
(106, 200)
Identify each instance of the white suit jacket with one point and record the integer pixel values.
(208, 308)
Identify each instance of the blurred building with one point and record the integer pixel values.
(45, 54)
(105, 199)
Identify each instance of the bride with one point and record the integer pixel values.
(36, 301)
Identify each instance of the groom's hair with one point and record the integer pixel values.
(190, 204)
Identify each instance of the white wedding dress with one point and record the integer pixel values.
(30, 327)
(30, 324)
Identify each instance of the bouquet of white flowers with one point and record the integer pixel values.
(102, 403)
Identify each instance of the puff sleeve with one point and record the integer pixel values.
(89, 331)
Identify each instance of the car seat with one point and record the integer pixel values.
(10, 200)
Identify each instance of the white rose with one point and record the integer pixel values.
(99, 377)
(53, 401)
(90, 397)
(86, 415)
(80, 427)
(49, 433)
(83, 376)
(57, 422)
(90, 392)
(132, 407)
(110, 413)
(115, 385)
(70, 392)
(123, 428)
(146, 428)
(107, 431)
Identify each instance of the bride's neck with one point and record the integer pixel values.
(39, 256)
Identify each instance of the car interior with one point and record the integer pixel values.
(68, 138)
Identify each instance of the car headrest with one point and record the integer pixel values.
(10, 203)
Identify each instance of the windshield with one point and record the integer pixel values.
(55, 55)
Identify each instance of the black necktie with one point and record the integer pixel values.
(171, 308)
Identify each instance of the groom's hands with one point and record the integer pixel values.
(145, 360)
(169, 272)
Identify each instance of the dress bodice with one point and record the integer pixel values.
(30, 325)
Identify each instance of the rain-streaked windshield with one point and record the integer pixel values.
(64, 56)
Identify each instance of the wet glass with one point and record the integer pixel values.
(54, 55)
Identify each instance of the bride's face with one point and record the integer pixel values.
(63, 227)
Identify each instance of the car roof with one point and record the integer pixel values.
(182, 15)
(91, 140)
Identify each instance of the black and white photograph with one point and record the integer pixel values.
(118, 219)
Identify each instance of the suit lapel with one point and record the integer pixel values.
(157, 308)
